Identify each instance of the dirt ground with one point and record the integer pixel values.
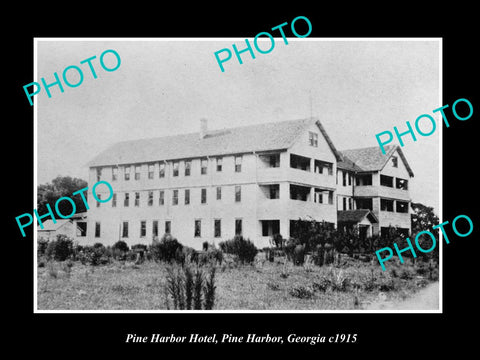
(424, 299)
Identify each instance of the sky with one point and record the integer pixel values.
(356, 88)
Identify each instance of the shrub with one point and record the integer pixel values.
(211, 256)
(121, 246)
(244, 249)
(301, 292)
(94, 255)
(295, 251)
(60, 249)
(190, 288)
(167, 249)
(42, 244)
(277, 241)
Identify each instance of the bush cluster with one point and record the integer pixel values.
(167, 249)
(94, 255)
(244, 249)
(190, 288)
(60, 249)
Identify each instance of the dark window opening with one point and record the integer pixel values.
(81, 229)
(270, 227)
(402, 207)
(364, 203)
(238, 226)
(386, 205)
(386, 180)
(299, 192)
(364, 180)
(401, 184)
(299, 162)
(125, 229)
(198, 228)
(97, 229)
(217, 228)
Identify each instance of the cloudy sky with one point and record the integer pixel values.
(357, 88)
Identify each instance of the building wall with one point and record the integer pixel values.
(252, 208)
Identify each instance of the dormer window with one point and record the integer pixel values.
(313, 139)
(394, 161)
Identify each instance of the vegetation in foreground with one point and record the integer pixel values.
(160, 278)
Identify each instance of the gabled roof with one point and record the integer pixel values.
(370, 159)
(260, 137)
(48, 225)
(355, 216)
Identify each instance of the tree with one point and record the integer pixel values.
(424, 219)
(61, 186)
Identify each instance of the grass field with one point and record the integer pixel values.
(350, 285)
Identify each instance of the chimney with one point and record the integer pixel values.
(203, 128)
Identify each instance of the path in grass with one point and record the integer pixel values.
(424, 299)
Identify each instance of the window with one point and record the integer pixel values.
(401, 184)
(137, 172)
(150, 198)
(394, 161)
(97, 229)
(330, 197)
(318, 196)
(175, 197)
(238, 163)
(386, 180)
(143, 228)
(350, 203)
(219, 164)
(203, 196)
(125, 229)
(175, 168)
(203, 166)
(364, 180)
(344, 203)
(313, 139)
(366, 203)
(386, 205)
(114, 200)
(137, 199)
(299, 162)
(219, 193)
(217, 228)
(155, 228)
(274, 160)
(168, 227)
(274, 191)
(99, 196)
(344, 178)
(127, 172)
(402, 207)
(187, 196)
(161, 170)
(114, 173)
(126, 200)
(198, 228)
(99, 174)
(161, 199)
(238, 193)
(151, 168)
(188, 166)
(81, 229)
(349, 179)
(238, 226)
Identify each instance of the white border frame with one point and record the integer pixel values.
(440, 210)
